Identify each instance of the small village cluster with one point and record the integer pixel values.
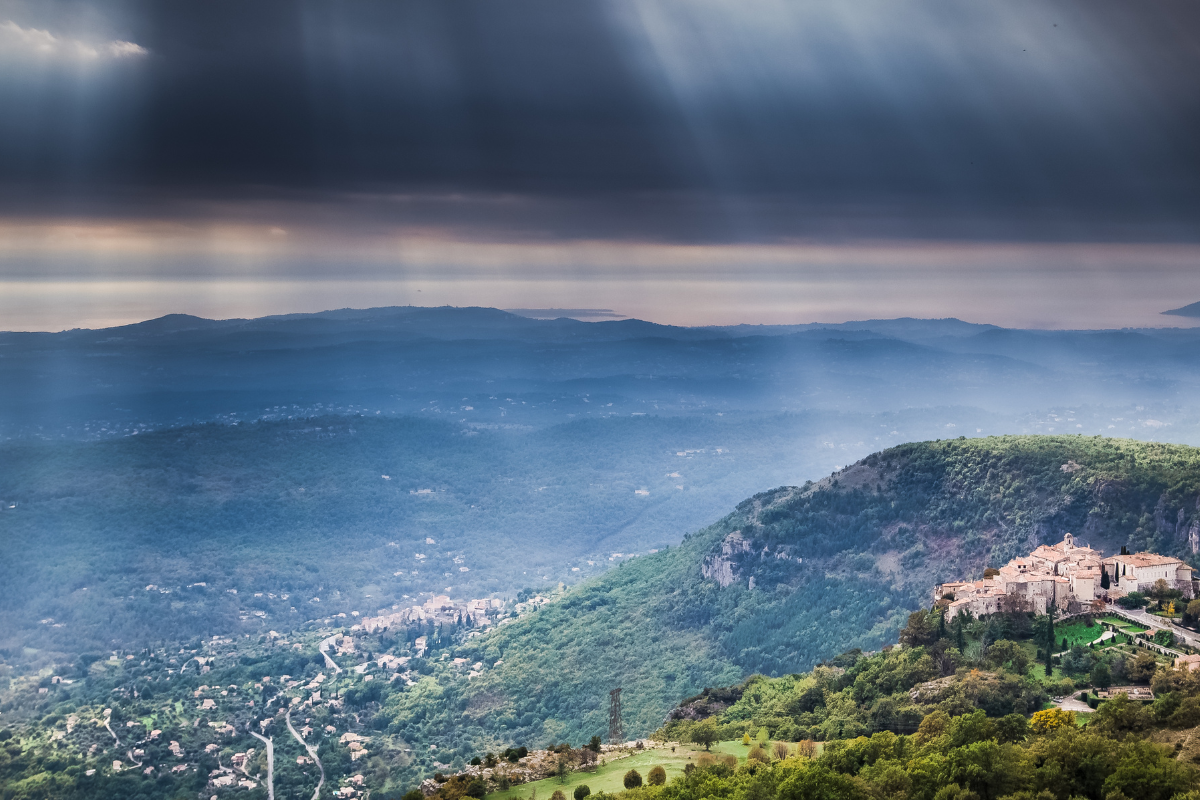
(1067, 577)
(438, 610)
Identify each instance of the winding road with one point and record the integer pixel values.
(312, 752)
(270, 764)
(1157, 623)
(330, 642)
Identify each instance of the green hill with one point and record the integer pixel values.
(796, 575)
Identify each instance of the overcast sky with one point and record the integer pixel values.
(1022, 163)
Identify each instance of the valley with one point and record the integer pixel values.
(780, 586)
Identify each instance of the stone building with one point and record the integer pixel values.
(1137, 572)
(1066, 576)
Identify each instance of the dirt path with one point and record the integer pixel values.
(312, 753)
(270, 764)
(110, 730)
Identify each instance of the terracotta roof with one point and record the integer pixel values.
(1147, 560)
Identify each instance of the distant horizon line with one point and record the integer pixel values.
(588, 316)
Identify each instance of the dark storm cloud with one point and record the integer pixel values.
(689, 120)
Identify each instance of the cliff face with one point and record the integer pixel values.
(905, 517)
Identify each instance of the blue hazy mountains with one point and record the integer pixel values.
(482, 365)
(361, 456)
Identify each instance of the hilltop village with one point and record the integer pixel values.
(1066, 576)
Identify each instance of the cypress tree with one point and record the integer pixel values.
(1049, 639)
(960, 639)
(1104, 581)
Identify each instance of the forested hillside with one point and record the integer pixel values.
(795, 575)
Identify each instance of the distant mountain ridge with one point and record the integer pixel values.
(505, 368)
(1190, 310)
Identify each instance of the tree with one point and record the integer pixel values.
(746, 739)
(918, 632)
(820, 783)
(1009, 655)
(1105, 583)
(1132, 600)
(581, 791)
(1101, 678)
(1160, 591)
(758, 754)
(477, 789)
(1140, 669)
(781, 750)
(764, 735)
(1190, 612)
(558, 795)
(594, 744)
(1011, 728)
(1051, 720)
(705, 732)
(1148, 772)
(1119, 716)
(657, 776)
(1049, 640)
(633, 779)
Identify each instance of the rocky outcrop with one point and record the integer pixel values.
(708, 703)
(720, 567)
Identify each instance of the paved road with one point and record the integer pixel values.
(270, 764)
(1071, 704)
(329, 662)
(312, 753)
(1157, 623)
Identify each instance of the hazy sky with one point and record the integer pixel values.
(1022, 163)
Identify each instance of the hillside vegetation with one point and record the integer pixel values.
(786, 581)
(834, 565)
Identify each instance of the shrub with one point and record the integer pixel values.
(477, 789)
(656, 776)
(633, 779)
(758, 754)
(581, 791)
(558, 795)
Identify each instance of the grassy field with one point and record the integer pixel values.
(1124, 624)
(1076, 633)
(610, 777)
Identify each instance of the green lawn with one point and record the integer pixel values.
(1075, 633)
(1124, 624)
(611, 776)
